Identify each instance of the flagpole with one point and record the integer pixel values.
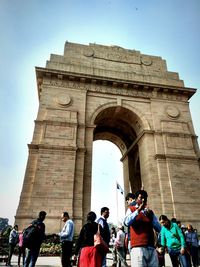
(117, 200)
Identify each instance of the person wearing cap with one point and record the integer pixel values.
(142, 222)
(119, 244)
(33, 251)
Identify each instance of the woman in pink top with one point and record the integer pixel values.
(21, 251)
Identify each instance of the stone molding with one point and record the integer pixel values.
(175, 157)
(47, 77)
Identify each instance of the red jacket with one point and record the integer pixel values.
(141, 231)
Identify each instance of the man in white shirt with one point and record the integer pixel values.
(66, 239)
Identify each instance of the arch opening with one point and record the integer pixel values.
(107, 172)
(119, 126)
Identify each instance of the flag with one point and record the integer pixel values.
(120, 189)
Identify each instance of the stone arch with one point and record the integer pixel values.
(122, 127)
(112, 138)
(158, 150)
(138, 113)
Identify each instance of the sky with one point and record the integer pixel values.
(32, 30)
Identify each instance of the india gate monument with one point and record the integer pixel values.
(96, 92)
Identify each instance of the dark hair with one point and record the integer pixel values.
(173, 220)
(104, 209)
(91, 216)
(163, 217)
(130, 195)
(65, 214)
(141, 192)
(42, 214)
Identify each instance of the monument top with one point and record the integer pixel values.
(114, 62)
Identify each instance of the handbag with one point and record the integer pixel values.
(99, 243)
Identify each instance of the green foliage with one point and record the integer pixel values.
(51, 246)
(4, 246)
(50, 249)
(6, 232)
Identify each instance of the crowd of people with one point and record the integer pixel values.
(141, 234)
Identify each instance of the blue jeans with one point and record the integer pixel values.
(104, 261)
(31, 258)
(144, 257)
(121, 252)
(194, 255)
(176, 256)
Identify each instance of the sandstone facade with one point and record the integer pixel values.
(107, 92)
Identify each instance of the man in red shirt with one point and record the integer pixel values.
(142, 223)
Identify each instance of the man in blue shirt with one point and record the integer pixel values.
(66, 239)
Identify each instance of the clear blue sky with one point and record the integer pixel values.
(31, 30)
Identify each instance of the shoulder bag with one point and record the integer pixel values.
(99, 243)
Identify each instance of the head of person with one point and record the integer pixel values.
(120, 227)
(174, 220)
(141, 197)
(178, 223)
(164, 221)
(130, 198)
(113, 230)
(183, 228)
(65, 216)
(15, 227)
(42, 215)
(190, 228)
(91, 217)
(105, 212)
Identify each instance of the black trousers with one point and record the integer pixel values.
(11, 250)
(21, 252)
(66, 253)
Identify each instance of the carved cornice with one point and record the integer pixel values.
(100, 84)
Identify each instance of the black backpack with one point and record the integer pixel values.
(30, 235)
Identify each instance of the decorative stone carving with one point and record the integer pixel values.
(88, 52)
(146, 60)
(63, 100)
(172, 112)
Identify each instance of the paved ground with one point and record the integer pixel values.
(55, 261)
